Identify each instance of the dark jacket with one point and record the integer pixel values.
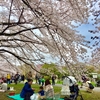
(26, 89)
(42, 93)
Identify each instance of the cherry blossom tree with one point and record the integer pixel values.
(30, 29)
(95, 19)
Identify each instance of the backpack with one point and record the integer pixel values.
(91, 86)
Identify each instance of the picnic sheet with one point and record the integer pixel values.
(17, 97)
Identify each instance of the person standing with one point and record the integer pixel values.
(84, 79)
(53, 80)
(3, 78)
(39, 79)
(22, 78)
(36, 78)
(8, 78)
(42, 81)
(16, 78)
(12, 78)
(29, 75)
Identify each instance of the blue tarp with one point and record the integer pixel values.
(16, 97)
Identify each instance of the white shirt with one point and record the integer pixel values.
(4, 86)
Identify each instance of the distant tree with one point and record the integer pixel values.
(90, 69)
(24, 69)
(51, 69)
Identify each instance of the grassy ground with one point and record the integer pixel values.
(18, 87)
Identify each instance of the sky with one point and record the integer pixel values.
(84, 30)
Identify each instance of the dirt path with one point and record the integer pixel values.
(96, 89)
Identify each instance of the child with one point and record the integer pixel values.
(41, 93)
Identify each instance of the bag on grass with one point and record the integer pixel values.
(91, 86)
(34, 97)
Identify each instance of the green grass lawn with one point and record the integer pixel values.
(18, 87)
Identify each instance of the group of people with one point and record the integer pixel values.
(4, 81)
(46, 88)
(45, 92)
(40, 79)
(12, 78)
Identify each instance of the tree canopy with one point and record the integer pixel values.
(30, 29)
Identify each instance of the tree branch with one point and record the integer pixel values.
(24, 30)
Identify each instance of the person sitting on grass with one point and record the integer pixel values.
(27, 91)
(41, 92)
(49, 91)
(90, 87)
(4, 86)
